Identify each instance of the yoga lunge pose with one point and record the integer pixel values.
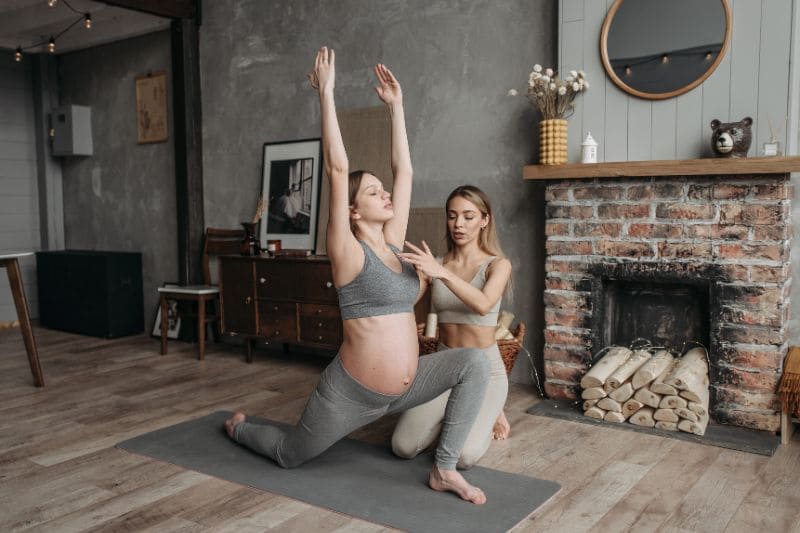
(467, 286)
(378, 369)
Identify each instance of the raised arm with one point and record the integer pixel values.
(342, 246)
(391, 94)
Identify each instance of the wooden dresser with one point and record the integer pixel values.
(284, 300)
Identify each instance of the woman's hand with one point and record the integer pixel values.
(323, 77)
(388, 88)
(424, 261)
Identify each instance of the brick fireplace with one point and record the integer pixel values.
(700, 258)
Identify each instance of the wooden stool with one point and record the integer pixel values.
(11, 264)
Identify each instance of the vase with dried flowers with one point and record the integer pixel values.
(554, 98)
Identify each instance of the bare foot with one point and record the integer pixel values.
(232, 422)
(453, 481)
(502, 428)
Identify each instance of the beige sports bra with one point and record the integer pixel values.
(452, 310)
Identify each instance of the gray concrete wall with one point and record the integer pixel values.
(456, 61)
(123, 197)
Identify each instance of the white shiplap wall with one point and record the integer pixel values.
(19, 195)
(753, 79)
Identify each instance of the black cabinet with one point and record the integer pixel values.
(91, 292)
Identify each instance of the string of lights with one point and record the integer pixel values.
(84, 17)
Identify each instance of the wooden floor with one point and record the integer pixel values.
(60, 471)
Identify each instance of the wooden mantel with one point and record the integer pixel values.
(686, 167)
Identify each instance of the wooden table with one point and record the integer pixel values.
(11, 263)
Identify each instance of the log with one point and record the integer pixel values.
(647, 397)
(698, 428)
(697, 394)
(631, 406)
(593, 393)
(613, 416)
(595, 412)
(686, 414)
(699, 398)
(599, 373)
(665, 415)
(643, 417)
(588, 403)
(653, 368)
(689, 370)
(628, 368)
(672, 402)
(607, 404)
(659, 387)
(623, 393)
(669, 426)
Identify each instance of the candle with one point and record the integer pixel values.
(430, 325)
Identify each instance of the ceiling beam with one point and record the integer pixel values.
(176, 9)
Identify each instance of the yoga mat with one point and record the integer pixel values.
(354, 478)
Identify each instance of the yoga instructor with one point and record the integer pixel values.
(378, 369)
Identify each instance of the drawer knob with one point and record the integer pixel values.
(328, 284)
(262, 280)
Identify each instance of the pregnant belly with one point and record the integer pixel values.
(381, 352)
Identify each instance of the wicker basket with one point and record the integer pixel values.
(509, 348)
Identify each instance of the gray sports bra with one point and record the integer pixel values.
(452, 310)
(379, 290)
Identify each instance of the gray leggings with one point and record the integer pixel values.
(340, 405)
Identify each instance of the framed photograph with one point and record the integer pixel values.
(151, 108)
(173, 318)
(291, 178)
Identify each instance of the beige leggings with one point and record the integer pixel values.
(419, 427)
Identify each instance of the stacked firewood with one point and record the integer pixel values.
(649, 388)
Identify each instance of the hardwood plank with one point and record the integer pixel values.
(712, 500)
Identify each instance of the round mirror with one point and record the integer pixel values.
(658, 49)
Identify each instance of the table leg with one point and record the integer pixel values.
(201, 326)
(18, 291)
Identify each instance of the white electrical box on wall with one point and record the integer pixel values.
(71, 130)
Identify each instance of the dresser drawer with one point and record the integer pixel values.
(320, 324)
(277, 321)
(277, 279)
(317, 283)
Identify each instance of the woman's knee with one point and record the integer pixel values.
(405, 446)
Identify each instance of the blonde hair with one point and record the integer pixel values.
(487, 239)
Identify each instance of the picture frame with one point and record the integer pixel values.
(173, 318)
(151, 108)
(290, 186)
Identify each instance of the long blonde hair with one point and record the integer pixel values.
(487, 240)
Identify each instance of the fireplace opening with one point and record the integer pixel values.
(667, 314)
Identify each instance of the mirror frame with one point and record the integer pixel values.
(660, 96)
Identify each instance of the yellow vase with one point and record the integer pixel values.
(553, 141)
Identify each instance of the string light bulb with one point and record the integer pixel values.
(51, 45)
(18, 54)
(52, 3)
(87, 21)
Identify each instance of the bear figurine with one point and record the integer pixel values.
(731, 139)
